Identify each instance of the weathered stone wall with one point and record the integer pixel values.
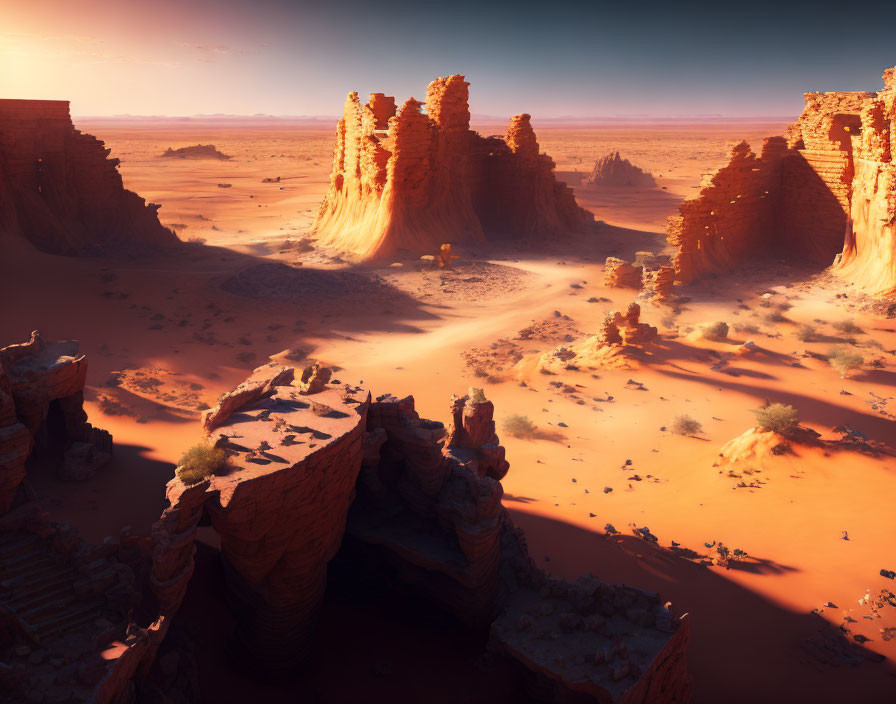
(59, 190)
(413, 181)
(827, 188)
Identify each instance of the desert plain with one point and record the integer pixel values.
(601, 484)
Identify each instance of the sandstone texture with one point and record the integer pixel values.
(41, 411)
(408, 180)
(613, 170)
(824, 193)
(60, 192)
(618, 273)
(279, 508)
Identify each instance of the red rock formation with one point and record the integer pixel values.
(279, 509)
(659, 284)
(427, 514)
(411, 181)
(200, 151)
(41, 405)
(828, 188)
(613, 170)
(59, 191)
(618, 273)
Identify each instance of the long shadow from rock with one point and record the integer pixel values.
(744, 648)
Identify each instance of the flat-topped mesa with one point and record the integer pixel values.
(416, 506)
(613, 170)
(405, 180)
(60, 192)
(825, 193)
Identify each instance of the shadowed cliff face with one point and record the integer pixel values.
(411, 181)
(826, 193)
(59, 191)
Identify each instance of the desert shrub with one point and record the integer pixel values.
(197, 240)
(844, 360)
(775, 316)
(519, 426)
(669, 321)
(805, 333)
(747, 328)
(717, 332)
(685, 425)
(199, 462)
(476, 395)
(778, 417)
(847, 327)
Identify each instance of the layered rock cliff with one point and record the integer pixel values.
(825, 193)
(410, 179)
(59, 191)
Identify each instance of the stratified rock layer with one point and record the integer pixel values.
(613, 170)
(41, 406)
(405, 180)
(59, 190)
(279, 508)
(829, 187)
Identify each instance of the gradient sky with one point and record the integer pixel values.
(550, 58)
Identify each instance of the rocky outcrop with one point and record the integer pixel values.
(619, 342)
(419, 505)
(199, 151)
(60, 192)
(618, 273)
(405, 180)
(613, 170)
(41, 411)
(659, 285)
(825, 193)
(279, 508)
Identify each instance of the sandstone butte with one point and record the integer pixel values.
(412, 180)
(60, 192)
(317, 469)
(824, 193)
(613, 170)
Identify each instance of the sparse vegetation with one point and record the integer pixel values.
(685, 425)
(845, 360)
(805, 333)
(776, 316)
(196, 240)
(476, 395)
(847, 327)
(780, 418)
(519, 426)
(747, 328)
(199, 462)
(716, 332)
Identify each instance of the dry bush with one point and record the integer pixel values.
(845, 360)
(685, 425)
(717, 332)
(199, 462)
(805, 333)
(519, 426)
(196, 240)
(778, 417)
(847, 327)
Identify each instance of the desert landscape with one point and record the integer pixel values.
(658, 356)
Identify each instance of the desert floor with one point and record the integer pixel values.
(181, 330)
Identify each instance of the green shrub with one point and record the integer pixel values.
(519, 426)
(844, 360)
(199, 462)
(685, 425)
(717, 332)
(777, 417)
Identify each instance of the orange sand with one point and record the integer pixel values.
(409, 336)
